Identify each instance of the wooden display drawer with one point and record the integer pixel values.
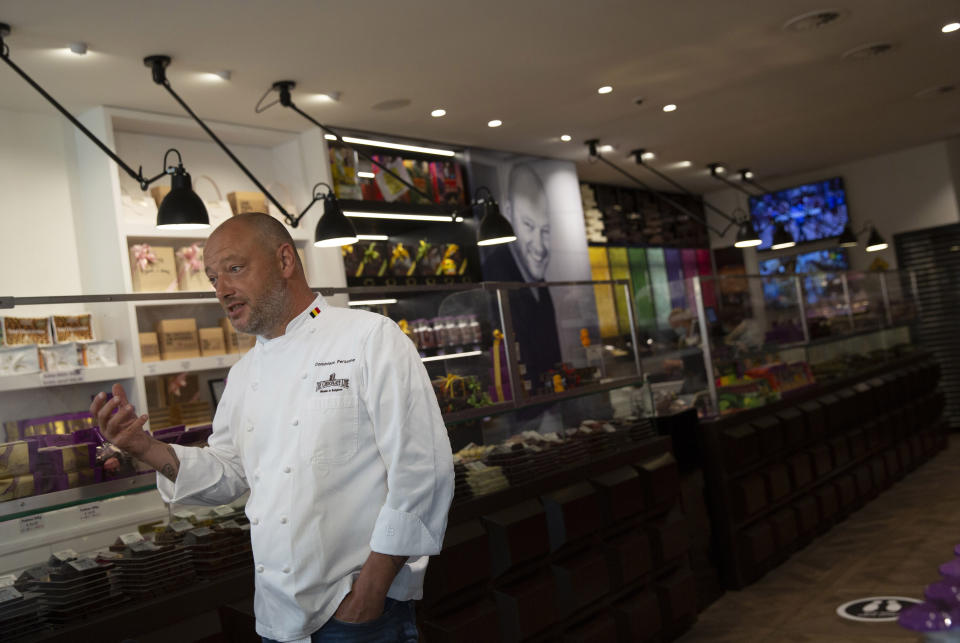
(581, 580)
(599, 628)
(464, 561)
(777, 481)
(660, 478)
(749, 496)
(573, 513)
(517, 535)
(527, 607)
(793, 428)
(740, 446)
(638, 617)
(670, 538)
(621, 494)
(478, 623)
(769, 434)
(678, 598)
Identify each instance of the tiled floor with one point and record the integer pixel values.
(892, 546)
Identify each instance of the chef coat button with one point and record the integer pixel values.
(286, 469)
(255, 385)
(259, 569)
(286, 570)
(255, 521)
(304, 376)
(296, 421)
(249, 427)
(313, 330)
(283, 520)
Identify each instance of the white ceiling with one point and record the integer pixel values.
(749, 93)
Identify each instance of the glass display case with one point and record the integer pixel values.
(794, 331)
(498, 372)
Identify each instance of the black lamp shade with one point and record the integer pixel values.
(494, 228)
(747, 236)
(848, 239)
(182, 209)
(782, 238)
(333, 228)
(875, 242)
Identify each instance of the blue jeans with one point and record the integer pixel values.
(397, 624)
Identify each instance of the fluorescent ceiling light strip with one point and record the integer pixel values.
(398, 146)
(372, 302)
(373, 237)
(403, 217)
(366, 175)
(451, 356)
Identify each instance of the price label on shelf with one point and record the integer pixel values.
(185, 365)
(7, 580)
(89, 512)
(223, 510)
(63, 377)
(31, 523)
(151, 369)
(131, 537)
(65, 555)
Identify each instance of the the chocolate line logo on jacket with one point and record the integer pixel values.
(332, 384)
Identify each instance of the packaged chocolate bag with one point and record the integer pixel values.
(20, 331)
(72, 328)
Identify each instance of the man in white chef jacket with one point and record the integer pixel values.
(331, 423)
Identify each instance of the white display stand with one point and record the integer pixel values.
(103, 236)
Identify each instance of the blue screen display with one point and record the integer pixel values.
(809, 212)
(808, 263)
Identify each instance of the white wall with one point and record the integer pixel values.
(907, 190)
(38, 250)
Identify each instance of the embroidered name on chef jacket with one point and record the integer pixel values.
(332, 383)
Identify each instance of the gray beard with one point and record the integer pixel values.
(268, 313)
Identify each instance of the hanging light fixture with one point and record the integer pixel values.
(848, 238)
(782, 239)
(747, 236)
(180, 209)
(494, 227)
(875, 242)
(333, 228)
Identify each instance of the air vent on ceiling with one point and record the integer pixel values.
(935, 92)
(869, 51)
(815, 20)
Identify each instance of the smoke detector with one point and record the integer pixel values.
(871, 50)
(815, 20)
(939, 91)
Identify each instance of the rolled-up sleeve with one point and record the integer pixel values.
(413, 443)
(211, 475)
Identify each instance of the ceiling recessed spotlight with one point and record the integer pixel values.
(437, 113)
(950, 28)
(606, 89)
(79, 48)
(566, 138)
(495, 123)
(814, 20)
(330, 137)
(648, 156)
(670, 108)
(393, 103)
(680, 165)
(869, 51)
(606, 148)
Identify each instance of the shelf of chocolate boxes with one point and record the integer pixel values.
(52, 344)
(55, 453)
(156, 559)
(527, 456)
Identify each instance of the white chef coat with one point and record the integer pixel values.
(335, 429)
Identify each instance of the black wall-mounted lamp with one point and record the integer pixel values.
(333, 228)
(180, 209)
(875, 241)
(494, 227)
(158, 70)
(782, 239)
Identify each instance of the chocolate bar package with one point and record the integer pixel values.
(16, 487)
(20, 331)
(72, 328)
(66, 459)
(372, 259)
(60, 357)
(429, 262)
(19, 360)
(400, 261)
(100, 354)
(18, 458)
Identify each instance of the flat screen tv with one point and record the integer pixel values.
(808, 263)
(809, 212)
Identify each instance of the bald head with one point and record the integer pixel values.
(253, 264)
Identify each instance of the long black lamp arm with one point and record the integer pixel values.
(158, 65)
(284, 87)
(143, 181)
(735, 186)
(680, 187)
(660, 197)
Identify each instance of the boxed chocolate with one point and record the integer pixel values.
(19, 360)
(72, 328)
(243, 202)
(149, 347)
(211, 342)
(191, 275)
(21, 331)
(17, 487)
(153, 268)
(60, 357)
(178, 338)
(17, 458)
(230, 340)
(100, 354)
